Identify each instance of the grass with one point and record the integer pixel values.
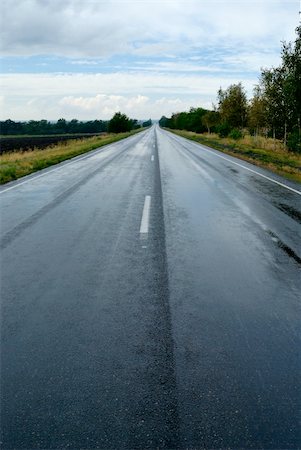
(14, 165)
(263, 152)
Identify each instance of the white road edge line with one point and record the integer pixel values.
(247, 168)
(145, 215)
(152, 158)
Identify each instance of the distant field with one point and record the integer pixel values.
(25, 142)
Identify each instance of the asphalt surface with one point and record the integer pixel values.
(150, 299)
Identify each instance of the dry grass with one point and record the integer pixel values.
(263, 152)
(261, 142)
(14, 165)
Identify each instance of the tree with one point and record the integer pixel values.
(257, 112)
(210, 119)
(291, 61)
(61, 126)
(44, 127)
(194, 120)
(147, 123)
(281, 87)
(119, 123)
(134, 124)
(191, 121)
(164, 122)
(272, 84)
(232, 105)
(11, 127)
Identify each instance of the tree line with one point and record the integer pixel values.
(273, 111)
(121, 123)
(118, 123)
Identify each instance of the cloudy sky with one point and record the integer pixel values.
(87, 59)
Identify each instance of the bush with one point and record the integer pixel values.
(223, 129)
(294, 142)
(235, 134)
(8, 174)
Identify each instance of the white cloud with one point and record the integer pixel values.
(97, 28)
(249, 62)
(106, 105)
(85, 62)
(85, 96)
(160, 55)
(99, 106)
(123, 83)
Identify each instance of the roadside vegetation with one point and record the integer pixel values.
(30, 154)
(17, 164)
(261, 151)
(25, 142)
(45, 127)
(266, 129)
(120, 122)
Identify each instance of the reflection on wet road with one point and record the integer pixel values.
(150, 299)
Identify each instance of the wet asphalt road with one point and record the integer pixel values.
(184, 335)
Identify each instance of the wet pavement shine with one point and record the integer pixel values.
(150, 299)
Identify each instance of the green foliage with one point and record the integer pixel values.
(164, 122)
(235, 134)
(191, 121)
(210, 119)
(272, 87)
(281, 90)
(43, 127)
(147, 123)
(257, 112)
(294, 141)
(291, 63)
(223, 129)
(120, 123)
(274, 110)
(134, 124)
(8, 173)
(232, 105)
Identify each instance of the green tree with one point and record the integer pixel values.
(33, 127)
(281, 87)
(194, 120)
(291, 60)
(147, 123)
(134, 124)
(11, 127)
(191, 121)
(61, 126)
(272, 84)
(257, 112)
(232, 105)
(210, 119)
(119, 123)
(165, 122)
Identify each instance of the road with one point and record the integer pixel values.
(150, 300)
